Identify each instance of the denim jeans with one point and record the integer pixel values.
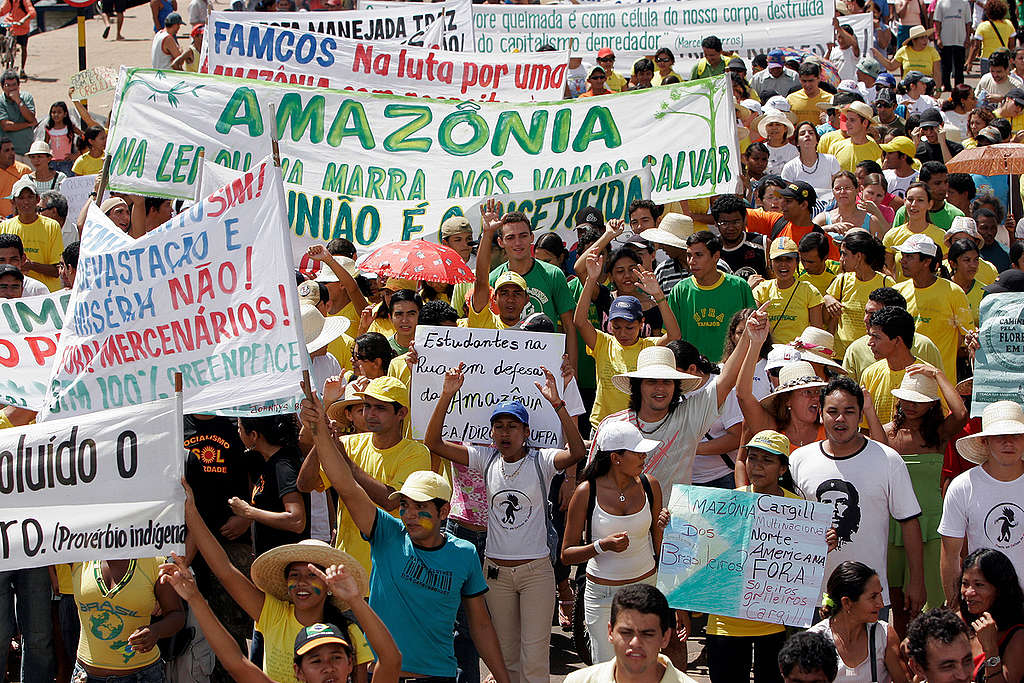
(597, 613)
(25, 595)
(467, 659)
(154, 673)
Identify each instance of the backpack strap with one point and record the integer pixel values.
(588, 521)
(778, 226)
(871, 652)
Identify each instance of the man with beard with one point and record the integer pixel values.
(872, 483)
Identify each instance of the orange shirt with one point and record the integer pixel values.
(761, 221)
(9, 176)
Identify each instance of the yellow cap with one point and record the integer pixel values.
(397, 283)
(424, 485)
(386, 388)
(783, 246)
(900, 143)
(510, 277)
(771, 441)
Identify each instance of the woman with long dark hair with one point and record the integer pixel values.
(992, 604)
(964, 258)
(864, 643)
(614, 511)
(61, 133)
(919, 432)
(862, 258)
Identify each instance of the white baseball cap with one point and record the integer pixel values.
(919, 244)
(623, 436)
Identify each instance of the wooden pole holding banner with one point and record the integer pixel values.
(274, 147)
(307, 389)
(101, 186)
(177, 382)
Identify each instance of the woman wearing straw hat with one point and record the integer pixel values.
(984, 503)
(914, 55)
(284, 594)
(323, 653)
(919, 432)
(777, 131)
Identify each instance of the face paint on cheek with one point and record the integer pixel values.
(426, 520)
(292, 587)
(316, 590)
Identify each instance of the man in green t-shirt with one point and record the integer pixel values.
(548, 290)
(941, 213)
(705, 302)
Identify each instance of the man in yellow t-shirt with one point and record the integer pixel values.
(897, 236)
(804, 102)
(381, 458)
(857, 146)
(41, 236)
(511, 295)
(939, 307)
(890, 337)
(815, 266)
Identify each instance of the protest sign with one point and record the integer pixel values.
(863, 26)
(76, 190)
(94, 81)
(207, 294)
(500, 365)
(746, 555)
(382, 146)
(100, 486)
(999, 362)
(634, 30)
(28, 341)
(405, 23)
(276, 53)
(554, 209)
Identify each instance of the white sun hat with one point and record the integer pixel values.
(816, 346)
(998, 419)
(917, 388)
(320, 331)
(673, 230)
(657, 362)
(623, 436)
(793, 377)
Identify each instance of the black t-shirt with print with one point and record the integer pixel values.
(215, 468)
(275, 478)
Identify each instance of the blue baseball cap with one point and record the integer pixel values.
(777, 57)
(513, 408)
(627, 308)
(885, 79)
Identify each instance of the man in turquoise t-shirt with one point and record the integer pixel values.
(705, 302)
(547, 287)
(941, 213)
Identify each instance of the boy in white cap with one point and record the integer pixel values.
(939, 307)
(45, 178)
(983, 504)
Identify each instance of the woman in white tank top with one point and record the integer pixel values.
(614, 511)
(867, 647)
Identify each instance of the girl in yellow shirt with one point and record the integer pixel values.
(964, 259)
(993, 33)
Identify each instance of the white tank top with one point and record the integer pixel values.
(161, 60)
(634, 561)
(862, 672)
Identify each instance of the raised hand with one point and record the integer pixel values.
(595, 266)
(757, 324)
(490, 216)
(549, 389)
(646, 281)
(318, 252)
(176, 573)
(615, 227)
(339, 582)
(453, 380)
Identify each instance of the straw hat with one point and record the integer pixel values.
(657, 362)
(962, 224)
(816, 346)
(673, 230)
(915, 32)
(796, 375)
(862, 110)
(320, 331)
(774, 117)
(998, 419)
(917, 388)
(268, 571)
(325, 274)
(336, 411)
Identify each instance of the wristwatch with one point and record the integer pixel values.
(994, 661)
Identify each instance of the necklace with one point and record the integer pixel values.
(514, 474)
(812, 169)
(657, 424)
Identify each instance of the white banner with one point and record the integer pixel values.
(863, 26)
(207, 294)
(400, 148)
(76, 190)
(500, 365)
(634, 30)
(100, 486)
(409, 23)
(29, 329)
(277, 53)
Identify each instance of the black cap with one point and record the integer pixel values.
(798, 189)
(912, 77)
(930, 118)
(316, 635)
(887, 96)
(589, 214)
(1017, 95)
(8, 269)
(536, 322)
(1011, 280)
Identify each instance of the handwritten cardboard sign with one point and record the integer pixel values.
(746, 555)
(500, 365)
(98, 79)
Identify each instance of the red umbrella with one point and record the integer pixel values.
(418, 260)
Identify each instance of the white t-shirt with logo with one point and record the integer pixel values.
(516, 502)
(867, 488)
(989, 512)
(710, 467)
